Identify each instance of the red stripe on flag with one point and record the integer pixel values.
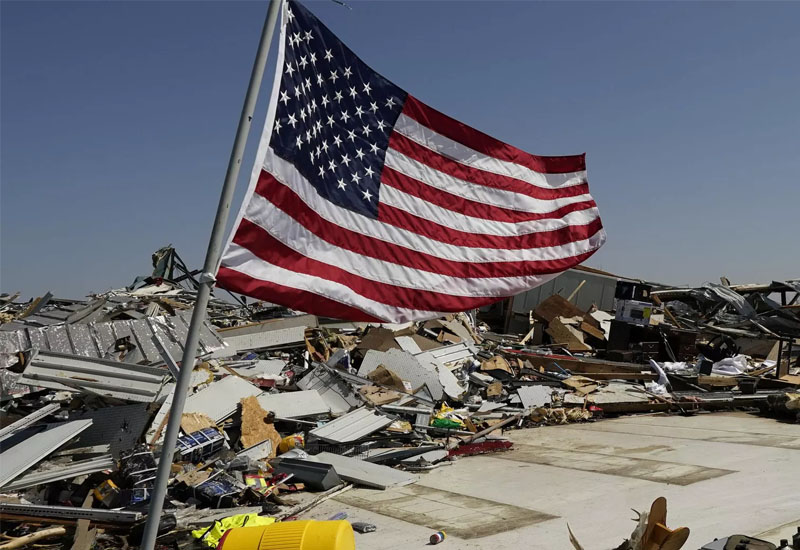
(432, 230)
(258, 241)
(483, 143)
(420, 153)
(287, 296)
(471, 208)
(288, 201)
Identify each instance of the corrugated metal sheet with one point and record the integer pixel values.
(337, 393)
(25, 449)
(59, 371)
(352, 426)
(97, 339)
(294, 404)
(268, 334)
(366, 473)
(449, 354)
(270, 325)
(71, 512)
(219, 399)
(61, 472)
(266, 339)
(26, 421)
(406, 366)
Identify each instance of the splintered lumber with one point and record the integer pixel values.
(592, 331)
(21, 542)
(643, 376)
(717, 381)
(487, 431)
(578, 365)
(557, 306)
(562, 334)
(577, 289)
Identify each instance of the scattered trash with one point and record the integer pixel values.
(437, 537)
(283, 404)
(361, 527)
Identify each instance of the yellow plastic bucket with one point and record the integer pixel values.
(291, 535)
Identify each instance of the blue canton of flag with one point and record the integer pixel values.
(334, 115)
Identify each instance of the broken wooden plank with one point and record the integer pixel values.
(84, 537)
(592, 331)
(557, 306)
(644, 376)
(565, 335)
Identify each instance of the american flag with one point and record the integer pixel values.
(366, 204)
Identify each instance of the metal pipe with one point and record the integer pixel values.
(207, 279)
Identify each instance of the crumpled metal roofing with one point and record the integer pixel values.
(61, 372)
(352, 426)
(406, 366)
(27, 448)
(97, 339)
(337, 393)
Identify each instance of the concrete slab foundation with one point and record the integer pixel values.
(722, 474)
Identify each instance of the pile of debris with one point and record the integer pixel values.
(288, 409)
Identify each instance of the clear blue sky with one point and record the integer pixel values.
(118, 119)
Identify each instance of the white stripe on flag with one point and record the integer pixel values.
(292, 234)
(463, 154)
(473, 191)
(287, 174)
(479, 226)
(242, 260)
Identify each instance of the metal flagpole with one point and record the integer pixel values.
(207, 280)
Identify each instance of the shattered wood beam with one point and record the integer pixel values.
(487, 431)
(21, 542)
(658, 302)
(84, 537)
(577, 289)
(330, 493)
